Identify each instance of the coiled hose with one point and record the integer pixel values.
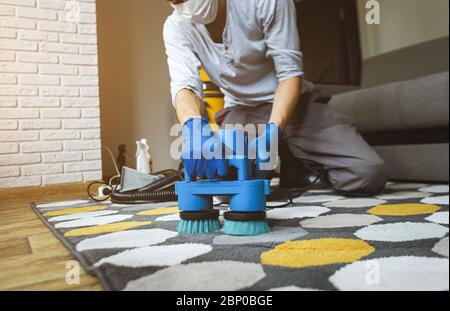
(162, 190)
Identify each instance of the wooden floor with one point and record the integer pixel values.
(31, 257)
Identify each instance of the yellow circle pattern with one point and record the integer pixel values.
(108, 228)
(160, 211)
(77, 210)
(404, 209)
(313, 253)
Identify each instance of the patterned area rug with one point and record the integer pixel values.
(395, 241)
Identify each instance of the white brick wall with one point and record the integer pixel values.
(49, 102)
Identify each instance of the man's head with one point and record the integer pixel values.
(197, 11)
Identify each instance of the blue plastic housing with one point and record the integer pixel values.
(245, 196)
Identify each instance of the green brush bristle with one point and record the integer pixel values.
(245, 228)
(198, 226)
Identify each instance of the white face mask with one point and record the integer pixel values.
(198, 11)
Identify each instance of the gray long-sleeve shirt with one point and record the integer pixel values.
(260, 49)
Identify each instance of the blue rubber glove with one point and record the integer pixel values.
(266, 148)
(198, 142)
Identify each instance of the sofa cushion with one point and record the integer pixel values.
(409, 105)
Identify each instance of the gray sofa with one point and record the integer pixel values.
(406, 121)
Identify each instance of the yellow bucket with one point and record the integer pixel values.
(214, 98)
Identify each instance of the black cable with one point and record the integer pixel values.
(102, 184)
(163, 190)
(289, 195)
(289, 203)
(293, 194)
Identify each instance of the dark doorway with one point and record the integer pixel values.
(330, 42)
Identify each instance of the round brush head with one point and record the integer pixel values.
(245, 224)
(199, 222)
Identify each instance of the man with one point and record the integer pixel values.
(251, 50)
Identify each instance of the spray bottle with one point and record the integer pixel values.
(143, 157)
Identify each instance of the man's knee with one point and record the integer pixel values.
(365, 180)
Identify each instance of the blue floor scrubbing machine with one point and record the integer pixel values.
(247, 213)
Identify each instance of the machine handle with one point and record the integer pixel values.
(235, 144)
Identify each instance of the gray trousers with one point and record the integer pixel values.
(318, 134)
